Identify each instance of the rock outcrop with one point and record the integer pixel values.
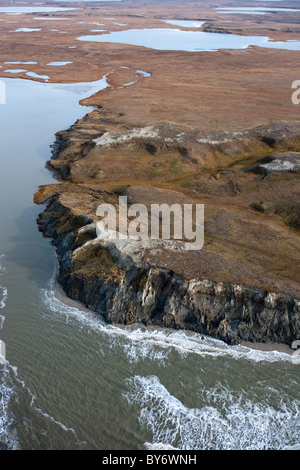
(116, 282)
(213, 291)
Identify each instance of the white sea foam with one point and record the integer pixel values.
(33, 399)
(295, 447)
(3, 291)
(2, 268)
(158, 446)
(231, 423)
(3, 296)
(140, 343)
(53, 420)
(8, 436)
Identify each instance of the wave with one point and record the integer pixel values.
(3, 290)
(140, 343)
(158, 446)
(234, 423)
(2, 268)
(8, 436)
(3, 296)
(8, 439)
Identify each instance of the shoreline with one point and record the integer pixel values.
(244, 284)
(107, 336)
(99, 273)
(61, 296)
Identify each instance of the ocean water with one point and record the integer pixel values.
(69, 380)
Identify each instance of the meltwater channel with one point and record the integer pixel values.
(70, 381)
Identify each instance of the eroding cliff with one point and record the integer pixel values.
(214, 291)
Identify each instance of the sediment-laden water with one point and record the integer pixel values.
(70, 381)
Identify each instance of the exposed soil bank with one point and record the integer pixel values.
(237, 291)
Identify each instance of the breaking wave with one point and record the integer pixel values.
(3, 290)
(140, 343)
(3, 296)
(228, 423)
(8, 436)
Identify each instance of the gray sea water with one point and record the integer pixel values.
(70, 381)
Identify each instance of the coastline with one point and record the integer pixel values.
(160, 283)
(127, 290)
(125, 345)
(246, 275)
(61, 296)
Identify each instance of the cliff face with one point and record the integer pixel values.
(244, 284)
(118, 280)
